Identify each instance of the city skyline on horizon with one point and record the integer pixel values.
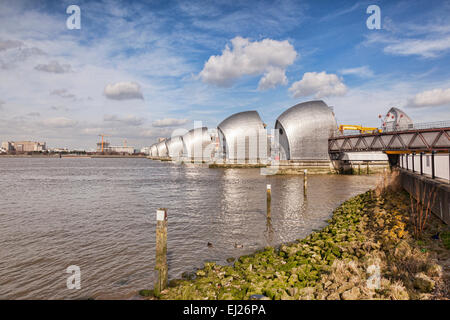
(139, 70)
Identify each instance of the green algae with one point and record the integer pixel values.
(327, 264)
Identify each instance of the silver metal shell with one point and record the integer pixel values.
(397, 119)
(198, 145)
(153, 151)
(175, 147)
(242, 136)
(162, 149)
(304, 130)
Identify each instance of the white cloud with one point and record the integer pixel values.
(9, 44)
(63, 93)
(268, 57)
(123, 91)
(60, 122)
(13, 53)
(54, 67)
(364, 72)
(318, 84)
(272, 78)
(129, 120)
(169, 122)
(411, 39)
(427, 48)
(430, 98)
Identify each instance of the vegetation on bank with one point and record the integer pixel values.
(366, 252)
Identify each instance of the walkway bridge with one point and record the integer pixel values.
(425, 137)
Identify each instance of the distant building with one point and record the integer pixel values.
(59, 150)
(7, 146)
(102, 147)
(107, 148)
(120, 149)
(23, 146)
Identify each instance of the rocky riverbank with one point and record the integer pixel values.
(366, 252)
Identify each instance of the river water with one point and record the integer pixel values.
(100, 215)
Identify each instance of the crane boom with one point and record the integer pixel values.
(361, 129)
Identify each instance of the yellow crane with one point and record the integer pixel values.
(103, 135)
(361, 129)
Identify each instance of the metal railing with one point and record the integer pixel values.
(414, 126)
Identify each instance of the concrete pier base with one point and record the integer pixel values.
(159, 158)
(228, 165)
(299, 167)
(415, 184)
(360, 166)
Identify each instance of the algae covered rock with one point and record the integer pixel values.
(146, 293)
(423, 283)
(434, 270)
(352, 294)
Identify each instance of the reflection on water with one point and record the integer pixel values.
(99, 214)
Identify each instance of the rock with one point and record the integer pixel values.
(188, 275)
(403, 250)
(351, 294)
(333, 296)
(201, 273)
(258, 297)
(231, 259)
(146, 293)
(307, 293)
(423, 283)
(434, 270)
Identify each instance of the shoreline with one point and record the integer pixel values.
(368, 235)
(74, 156)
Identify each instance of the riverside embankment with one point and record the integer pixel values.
(367, 251)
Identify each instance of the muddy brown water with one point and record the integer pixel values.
(99, 214)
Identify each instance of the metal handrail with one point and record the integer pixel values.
(415, 126)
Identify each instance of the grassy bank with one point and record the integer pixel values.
(366, 237)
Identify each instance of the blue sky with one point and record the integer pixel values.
(138, 70)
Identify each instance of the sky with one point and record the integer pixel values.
(138, 70)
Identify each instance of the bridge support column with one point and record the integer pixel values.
(413, 154)
(421, 163)
(407, 162)
(432, 164)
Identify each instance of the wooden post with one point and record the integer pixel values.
(367, 167)
(359, 168)
(305, 181)
(413, 154)
(161, 250)
(269, 200)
